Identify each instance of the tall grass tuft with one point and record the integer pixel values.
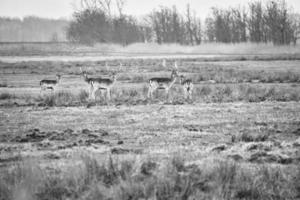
(63, 98)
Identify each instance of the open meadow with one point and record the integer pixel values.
(237, 138)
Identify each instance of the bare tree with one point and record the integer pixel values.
(210, 29)
(120, 6)
(277, 19)
(256, 22)
(106, 6)
(170, 26)
(295, 23)
(189, 24)
(271, 21)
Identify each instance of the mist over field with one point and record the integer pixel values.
(32, 29)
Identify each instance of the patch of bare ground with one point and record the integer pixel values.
(256, 132)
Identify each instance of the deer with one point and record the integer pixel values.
(187, 86)
(162, 82)
(100, 83)
(89, 80)
(49, 83)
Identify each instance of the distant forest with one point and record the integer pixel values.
(33, 29)
(272, 21)
(103, 21)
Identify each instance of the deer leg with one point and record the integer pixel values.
(149, 95)
(184, 93)
(190, 94)
(108, 94)
(101, 93)
(93, 94)
(167, 94)
(90, 91)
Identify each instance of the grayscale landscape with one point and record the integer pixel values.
(236, 137)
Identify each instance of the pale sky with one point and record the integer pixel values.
(64, 8)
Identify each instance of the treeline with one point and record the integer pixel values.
(32, 29)
(104, 21)
(95, 26)
(169, 26)
(269, 22)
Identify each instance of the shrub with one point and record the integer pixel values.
(204, 91)
(3, 85)
(6, 95)
(250, 136)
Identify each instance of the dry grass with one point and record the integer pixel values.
(251, 136)
(149, 179)
(224, 75)
(247, 93)
(231, 75)
(139, 71)
(63, 98)
(208, 93)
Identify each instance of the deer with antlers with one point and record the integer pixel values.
(162, 82)
(99, 83)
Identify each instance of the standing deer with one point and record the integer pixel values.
(89, 81)
(162, 83)
(187, 85)
(49, 83)
(99, 83)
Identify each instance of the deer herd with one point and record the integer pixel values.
(106, 83)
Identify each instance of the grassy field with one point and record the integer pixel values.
(238, 138)
(215, 81)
